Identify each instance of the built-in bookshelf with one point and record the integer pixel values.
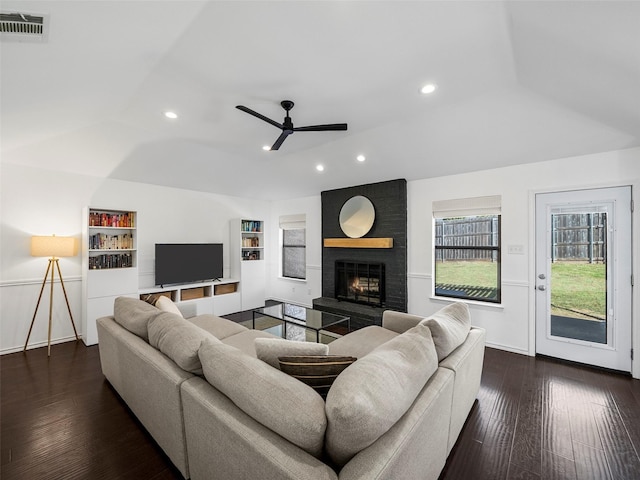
(252, 239)
(247, 260)
(110, 231)
(109, 264)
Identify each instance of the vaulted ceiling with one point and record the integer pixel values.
(517, 82)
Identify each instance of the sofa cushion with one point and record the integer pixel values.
(370, 396)
(166, 305)
(245, 341)
(360, 342)
(279, 402)
(399, 321)
(179, 340)
(134, 315)
(449, 327)
(217, 326)
(269, 349)
(317, 371)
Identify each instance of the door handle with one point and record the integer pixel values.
(542, 288)
(542, 276)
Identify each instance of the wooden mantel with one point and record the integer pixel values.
(358, 242)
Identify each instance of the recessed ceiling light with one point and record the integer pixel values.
(319, 168)
(428, 88)
(171, 115)
(361, 158)
(266, 148)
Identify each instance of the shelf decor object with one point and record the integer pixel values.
(52, 247)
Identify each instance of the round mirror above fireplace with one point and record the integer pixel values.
(357, 216)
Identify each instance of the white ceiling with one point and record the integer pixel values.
(518, 82)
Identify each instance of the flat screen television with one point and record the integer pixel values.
(188, 262)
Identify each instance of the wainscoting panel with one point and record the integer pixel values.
(19, 299)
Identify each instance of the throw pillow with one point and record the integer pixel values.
(317, 371)
(134, 315)
(179, 340)
(277, 401)
(269, 349)
(370, 396)
(449, 328)
(166, 305)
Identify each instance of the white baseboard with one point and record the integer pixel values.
(506, 348)
(31, 346)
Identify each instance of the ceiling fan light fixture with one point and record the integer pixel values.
(266, 148)
(428, 88)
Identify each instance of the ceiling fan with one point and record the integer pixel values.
(287, 125)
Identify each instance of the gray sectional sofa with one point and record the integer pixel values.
(220, 412)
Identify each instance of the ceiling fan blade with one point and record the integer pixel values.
(259, 115)
(283, 136)
(322, 128)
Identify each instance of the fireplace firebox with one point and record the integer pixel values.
(360, 282)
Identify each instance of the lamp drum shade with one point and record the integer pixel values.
(53, 246)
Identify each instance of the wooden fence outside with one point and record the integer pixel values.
(579, 237)
(480, 232)
(575, 237)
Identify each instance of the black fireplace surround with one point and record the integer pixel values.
(360, 282)
(390, 203)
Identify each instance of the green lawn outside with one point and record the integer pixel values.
(475, 273)
(578, 287)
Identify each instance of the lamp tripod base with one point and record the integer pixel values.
(50, 267)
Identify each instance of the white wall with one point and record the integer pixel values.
(41, 202)
(301, 292)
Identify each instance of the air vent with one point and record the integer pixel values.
(23, 27)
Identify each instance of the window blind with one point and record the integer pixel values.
(293, 222)
(466, 207)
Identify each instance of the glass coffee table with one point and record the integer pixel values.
(308, 318)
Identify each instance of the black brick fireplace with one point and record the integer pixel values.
(380, 282)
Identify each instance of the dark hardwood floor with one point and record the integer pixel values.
(539, 418)
(535, 418)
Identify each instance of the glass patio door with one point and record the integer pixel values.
(583, 276)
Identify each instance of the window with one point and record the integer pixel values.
(294, 253)
(467, 249)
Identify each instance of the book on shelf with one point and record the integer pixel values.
(103, 241)
(251, 226)
(250, 242)
(113, 220)
(110, 260)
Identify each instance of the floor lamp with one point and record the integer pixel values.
(52, 247)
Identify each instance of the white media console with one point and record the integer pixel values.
(219, 297)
